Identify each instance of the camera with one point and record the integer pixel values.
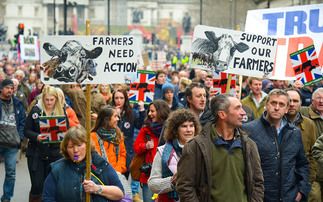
(146, 168)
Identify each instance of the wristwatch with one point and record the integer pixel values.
(99, 190)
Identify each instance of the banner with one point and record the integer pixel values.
(295, 27)
(306, 66)
(53, 127)
(220, 80)
(143, 88)
(233, 51)
(29, 47)
(88, 59)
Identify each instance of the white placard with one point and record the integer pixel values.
(233, 51)
(88, 59)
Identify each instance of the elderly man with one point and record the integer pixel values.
(306, 127)
(283, 160)
(315, 113)
(20, 75)
(221, 163)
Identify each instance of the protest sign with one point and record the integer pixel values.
(53, 127)
(143, 88)
(88, 59)
(233, 51)
(29, 47)
(295, 27)
(306, 66)
(220, 80)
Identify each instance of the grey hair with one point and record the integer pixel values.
(278, 92)
(319, 90)
(220, 102)
(21, 72)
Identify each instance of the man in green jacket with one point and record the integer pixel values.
(256, 99)
(306, 127)
(221, 163)
(315, 113)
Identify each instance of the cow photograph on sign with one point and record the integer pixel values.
(234, 52)
(88, 59)
(72, 63)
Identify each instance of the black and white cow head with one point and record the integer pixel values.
(73, 58)
(222, 49)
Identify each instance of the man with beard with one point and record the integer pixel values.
(12, 121)
(283, 160)
(306, 127)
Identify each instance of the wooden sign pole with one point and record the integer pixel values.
(88, 124)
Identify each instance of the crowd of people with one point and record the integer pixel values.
(262, 143)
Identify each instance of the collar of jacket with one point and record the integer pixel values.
(313, 113)
(266, 123)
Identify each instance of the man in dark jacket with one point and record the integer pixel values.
(221, 163)
(160, 80)
(12, 121)
(283, 160)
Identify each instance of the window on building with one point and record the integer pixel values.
(36, 11)
(91, 13)
(20, 10)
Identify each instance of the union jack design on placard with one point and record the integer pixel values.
(306, 66)
(220, 80)
(54, 127)
(143, 88)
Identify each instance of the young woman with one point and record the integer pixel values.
(40, 155)
(147, 140)
(106, 92)
(108, 139)
(129, 118)
(181, 126)
(31, 82)
(72, 117)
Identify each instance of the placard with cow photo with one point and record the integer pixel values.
(88, 59)
(234, 52)
(143, 89)
(306, 66)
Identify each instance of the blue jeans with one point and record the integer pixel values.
(146, 193)
(134, 186)
(10, 158)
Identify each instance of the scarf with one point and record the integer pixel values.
(111, 137)
(155, 127)
(166, 172)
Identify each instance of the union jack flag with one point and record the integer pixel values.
(306, 65)
(220, 83)
(143, 88)
(53, 127)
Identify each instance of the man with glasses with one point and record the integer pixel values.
(283, 160)
(315, 113)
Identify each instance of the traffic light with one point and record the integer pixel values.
(21, 29)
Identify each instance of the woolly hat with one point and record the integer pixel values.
(265, 82)
(166, 87)
(6, 82)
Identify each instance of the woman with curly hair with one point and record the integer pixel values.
(147, 140)
(181, 126)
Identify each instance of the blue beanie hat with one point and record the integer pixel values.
(166, 87)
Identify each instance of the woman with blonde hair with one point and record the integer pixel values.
(183, 83)
(72, 117)
(32, 81)
(39, 154)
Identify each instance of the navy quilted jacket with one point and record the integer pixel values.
(284, 164)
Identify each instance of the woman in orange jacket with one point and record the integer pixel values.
(71, 115)
(108, 139)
